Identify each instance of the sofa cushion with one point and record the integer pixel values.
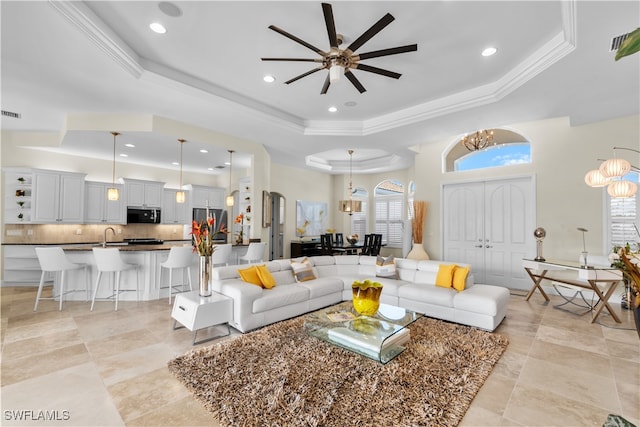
(303, 270)
(323, 286)
(386, 267)
(280, 296)
(483, 299)
(429, 294)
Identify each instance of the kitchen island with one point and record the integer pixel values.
(147, 256)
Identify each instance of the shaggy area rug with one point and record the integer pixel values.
(279, 376)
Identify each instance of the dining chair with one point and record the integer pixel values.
(221, 254)
(326, 246)
(366, 247)
(255, 253)
(54, 260)
(180, 258)
(339, 240)
(109, 260)
(376, 244)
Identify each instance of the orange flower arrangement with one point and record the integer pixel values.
(240, 220)
(203, 235)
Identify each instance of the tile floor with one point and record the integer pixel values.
(106, 368)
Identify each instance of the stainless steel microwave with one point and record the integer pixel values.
(143, 216)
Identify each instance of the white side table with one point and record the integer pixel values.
(195, 312)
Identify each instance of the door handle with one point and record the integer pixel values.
(478, 246)
(488, 246)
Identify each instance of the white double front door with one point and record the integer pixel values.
(490, 225)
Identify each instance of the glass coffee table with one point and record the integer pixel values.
(379, 337)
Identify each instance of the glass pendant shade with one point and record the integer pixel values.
(180, 197)
(229, 200)
(113, 194)
(622, 189)
(594, 178)
(335, 72)
(615, 168)
(350, 206)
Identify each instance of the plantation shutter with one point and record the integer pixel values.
(623, 216)
(359, 222)
(388, 219)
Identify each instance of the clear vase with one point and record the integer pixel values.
(204, 275)
(417, 252)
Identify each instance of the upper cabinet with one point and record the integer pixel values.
(99, 210)
(174, 212)
(18, 199)
(202, 195)
(57, 197)
(140, 193)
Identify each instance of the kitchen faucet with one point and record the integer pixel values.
(104, 240)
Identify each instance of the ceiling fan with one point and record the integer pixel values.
(339, 61)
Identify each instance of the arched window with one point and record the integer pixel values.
(389, 200)
(359, 219)
(507, 148)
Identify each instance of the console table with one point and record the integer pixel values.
(587, 278)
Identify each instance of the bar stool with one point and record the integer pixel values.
(180, 257)
(255, 252)
(54, 260)
(221, 254)
(108, 260)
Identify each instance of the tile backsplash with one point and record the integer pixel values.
(89, 233)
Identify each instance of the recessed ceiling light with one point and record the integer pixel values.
(332, 109)
(209, 169)
(204, 151)
(123, 155)
(489, 51)
(129, 145)
(269, 79)
(175, 163)
(157, 27)
(227, 163)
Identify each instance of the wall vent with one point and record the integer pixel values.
(11, 114)
(617, 41)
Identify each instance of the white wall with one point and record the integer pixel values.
(561, 156)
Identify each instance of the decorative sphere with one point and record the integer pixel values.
(540, 233)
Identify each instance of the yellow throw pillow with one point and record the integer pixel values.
(250, 275)
(266, 277)
(444, 278)
(460, 277)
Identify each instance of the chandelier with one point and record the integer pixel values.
(350, 206)
(478, 140)
(610, 174)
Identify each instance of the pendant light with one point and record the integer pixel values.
(112, 193)
(180, 196)
(350, 206)
(229, 199)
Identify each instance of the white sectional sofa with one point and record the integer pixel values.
(482, 306)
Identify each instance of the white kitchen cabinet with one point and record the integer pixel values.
(201, 195)
(99, 210)
(21, 266)
(140, 193)
(173, 212)
(58, 197)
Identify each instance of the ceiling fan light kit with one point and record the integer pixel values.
(342, 61)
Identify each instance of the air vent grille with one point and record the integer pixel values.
(11, 114)
(617, 41)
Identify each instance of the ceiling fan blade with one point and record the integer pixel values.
(292, 59)
(352, 78)
(304, 75)
(331, 25)
(325, 86)
(386, 52)
(296, 39)
(375, 29)
(377, 70)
